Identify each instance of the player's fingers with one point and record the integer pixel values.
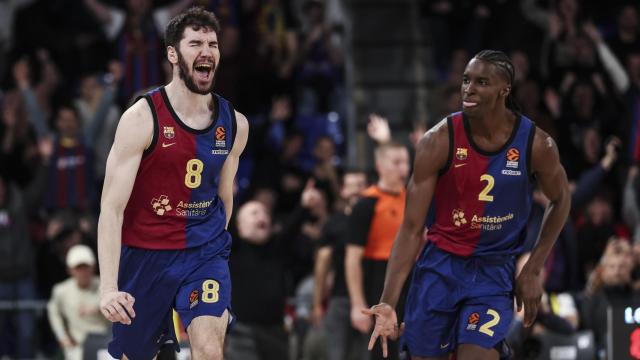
(115, 317)
(372, 340)
(384, 347)
(530, 312)
(368, 311)
(124, 317)
(128, 306)
(129, 298)
(105, 312)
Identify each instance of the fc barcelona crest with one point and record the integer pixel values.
(461, 153)
(168, 132)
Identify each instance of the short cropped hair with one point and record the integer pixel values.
(381, 150)
(196, 17)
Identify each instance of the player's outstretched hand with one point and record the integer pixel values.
(386, 326)
(117, 306)
(528, 294)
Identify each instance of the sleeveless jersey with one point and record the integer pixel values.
(482, 199)
(174, 203)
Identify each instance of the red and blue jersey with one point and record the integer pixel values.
(483, 199)
(174, 203)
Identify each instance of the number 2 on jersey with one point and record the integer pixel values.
(484, 194)
(193, 178)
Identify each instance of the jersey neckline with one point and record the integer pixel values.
(467, 132)
(215, 115)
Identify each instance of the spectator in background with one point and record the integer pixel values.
(74, 306)
(557, 314)
(320, 63)
(137, 34)
(98, 113)
(342, 340)
(626, 39)
(260, 267)
(374, 221)
(17, 141)
(632, 102)
(16, 270)
(609, 282)
(70, 181)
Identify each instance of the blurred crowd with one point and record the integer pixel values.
(310, 244)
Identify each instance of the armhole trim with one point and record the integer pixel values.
(447, 165)
(234, 125)
(532, 135)
(154, 137)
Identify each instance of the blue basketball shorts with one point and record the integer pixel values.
(193, 281)
(455, 300)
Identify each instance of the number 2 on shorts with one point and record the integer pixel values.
(210, 291)
(495, 319)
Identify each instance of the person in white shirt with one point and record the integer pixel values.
(74, 307)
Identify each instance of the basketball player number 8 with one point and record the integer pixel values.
(210, 290)
(193, 178)
(484, 194)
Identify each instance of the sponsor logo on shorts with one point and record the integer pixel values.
(472, 322)
(193, 298)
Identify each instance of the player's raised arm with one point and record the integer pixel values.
(552, 180)
(431, 156)
(133, 135)
(230, 167)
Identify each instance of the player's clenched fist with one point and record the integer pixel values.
(117, 306)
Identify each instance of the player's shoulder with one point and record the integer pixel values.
(241, 122)
(434, 146)
(136, 126)
(138, 111)
(544, 151)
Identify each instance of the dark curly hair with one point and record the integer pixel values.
(196, 18)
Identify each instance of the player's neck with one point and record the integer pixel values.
(185, 101)
(490, 123)
(390, 186)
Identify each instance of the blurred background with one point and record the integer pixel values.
(322, 82)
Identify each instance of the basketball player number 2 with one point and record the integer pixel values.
(495, 319)
(210, 290)
(484, 194)
(193, 178)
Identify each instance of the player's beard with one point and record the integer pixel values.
(187, 77)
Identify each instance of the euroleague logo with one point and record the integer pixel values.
(513, 156)
(221, 137)
(472, 322)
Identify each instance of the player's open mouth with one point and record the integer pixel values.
(203, 71)
(468, 104)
